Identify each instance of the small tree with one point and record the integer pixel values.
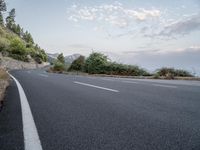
(96, 63)
(28, 38)
(2, 9)
(58, 66)
(1, 19)
(18, 30)
(2, 5)
(78, 64)
(10, 20)
(17, 47)
(61, 58)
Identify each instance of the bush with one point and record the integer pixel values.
(95, 63)
(17, 47)
(170, 73)
(58, 66)
(78, 64)
(61, 58)
(98, 63)
(20, 57)
(156, 76)
(127, 70)
(4, 44)
(38, 59)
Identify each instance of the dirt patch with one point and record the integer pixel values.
(4, 83)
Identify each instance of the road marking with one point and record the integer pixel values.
(167, 86)
(31, 137)
(43, 75)
(98, 87)
(130, 82)
(107, 79)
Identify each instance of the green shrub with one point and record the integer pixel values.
(95, 63)
(170, 73)
(20, 57)
(17, 47)
(78, 64)
(61, 58)
(58, 66)
(156, 76)
(98, 63)
(4, 44)
(38, 59)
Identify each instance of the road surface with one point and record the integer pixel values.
(95, 113)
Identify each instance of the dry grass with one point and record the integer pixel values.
(3, 74)
(4, 82)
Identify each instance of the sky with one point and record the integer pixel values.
(148, 33)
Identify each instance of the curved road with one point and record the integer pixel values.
(94, 113)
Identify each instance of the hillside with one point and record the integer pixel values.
(15, 42)
(14, 46)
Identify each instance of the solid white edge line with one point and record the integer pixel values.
(162, 85)
(107, 79)
(31, 137)
(43, 75)
(130, 82)
(98, 87)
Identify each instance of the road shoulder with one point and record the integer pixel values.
(11, 128)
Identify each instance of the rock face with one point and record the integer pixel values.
(12, 64)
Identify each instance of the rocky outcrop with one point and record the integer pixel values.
(12, 64)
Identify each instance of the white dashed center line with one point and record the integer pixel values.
(98, 87)
(167, 86)
(43, 75)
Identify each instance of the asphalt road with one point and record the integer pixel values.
(94, 113)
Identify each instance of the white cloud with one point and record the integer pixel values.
(150, 23)
(182, 27)
(114, 14)
(142, 14)
(168, 29)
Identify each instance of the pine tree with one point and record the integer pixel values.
(1, 19)
(61, 58)
(28, 38)
(78, 64)
(18, 30)
(2, 9)
(10, 20)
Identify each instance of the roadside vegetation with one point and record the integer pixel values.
(98, 63)
(171, 73)
(15, 42)
(59, 65)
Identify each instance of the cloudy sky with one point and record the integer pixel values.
(149, 33)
